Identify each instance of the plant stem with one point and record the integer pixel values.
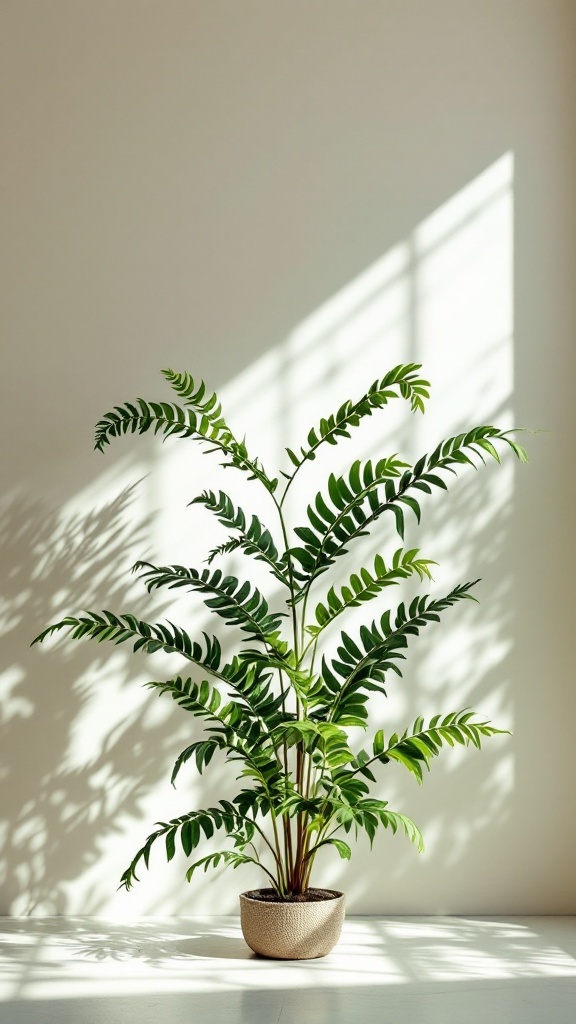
(281, 868)
(290, 576)
(292, 864)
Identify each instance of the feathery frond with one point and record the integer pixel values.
(401, 381)
(237, 603)
(147, 637)
(201, 419)
(364, 586)
(361, 665)
(189, 829)
(254, 538)
(354, 503)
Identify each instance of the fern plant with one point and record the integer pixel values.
(278, 709)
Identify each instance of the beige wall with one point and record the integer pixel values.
(297, 195)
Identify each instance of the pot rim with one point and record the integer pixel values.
(334, 896)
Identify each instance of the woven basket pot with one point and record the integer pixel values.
(292, 931)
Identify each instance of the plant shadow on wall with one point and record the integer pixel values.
(396, 311)
(269, 708)
(78, 753)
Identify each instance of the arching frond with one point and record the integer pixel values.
(226, 858)
(361, 665)
(368, 814)
(417, 746)
(201, 419)
(414, 749)
(343, 514)
(354, 503)
(189, 829)
(253, 537)
(242, 724)
(401, 381)
(237, 603)
(147, 637)
(364, 585)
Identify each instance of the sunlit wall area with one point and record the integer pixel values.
(287, 201)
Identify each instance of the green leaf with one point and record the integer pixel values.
(147, 637)
(343, 848)
(353, 499)
(369, 585)
(253, 537)
(201, 419)
(362, 501)
(188, 826)
(415, 748)
(202, 750)
(228, 858)
(237, 603)
(361, 669)
(402, 381)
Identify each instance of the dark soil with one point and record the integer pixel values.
(310, 896)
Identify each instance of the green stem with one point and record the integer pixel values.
(263, 835)
(291, 579)
(305, 647)
(311, 854)
(281, 868)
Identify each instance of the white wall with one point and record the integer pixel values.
(298, 195)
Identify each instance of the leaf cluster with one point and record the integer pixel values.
(281, 709)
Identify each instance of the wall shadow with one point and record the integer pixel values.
(66, 786)
(59, 797)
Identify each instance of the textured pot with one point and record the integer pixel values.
(292, 931)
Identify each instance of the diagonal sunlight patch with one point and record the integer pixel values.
(391, 960)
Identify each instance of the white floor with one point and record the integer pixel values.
(195, 970)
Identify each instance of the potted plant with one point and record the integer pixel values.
(280, 707)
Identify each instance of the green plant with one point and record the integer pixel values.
(277, 707)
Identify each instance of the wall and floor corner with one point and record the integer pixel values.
(294, 196)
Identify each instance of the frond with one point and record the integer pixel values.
(226, 548)
(354, 503)
(254, 538)
(401, 381)
(326, 742)
(228, 858)
(364, 586)
(344, 513)
(189, 828)
(237, 603)
(361, 665)
(162, 418)
(368, 814)
(201, 418)
(147, 637)
(202, 750)
(343, 849)
(415, 748)
(242, 725)
(195, 394)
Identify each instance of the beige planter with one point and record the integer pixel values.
(292, 931)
